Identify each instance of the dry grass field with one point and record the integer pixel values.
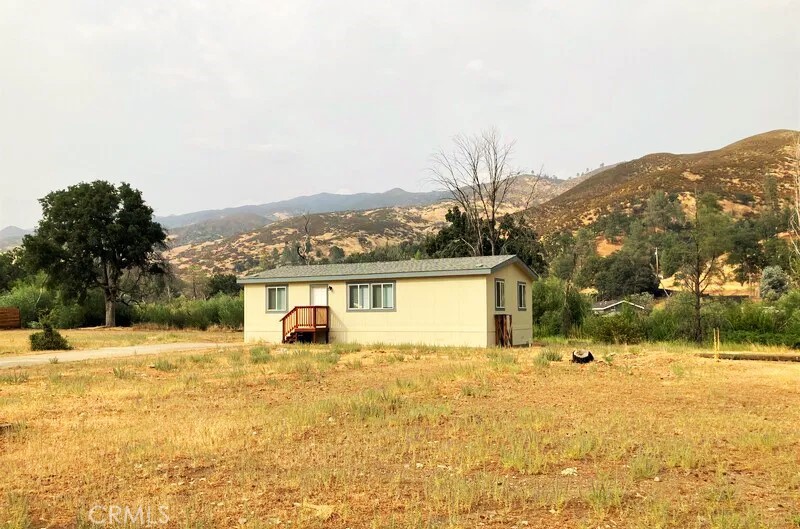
(16, 342)
(382, 437)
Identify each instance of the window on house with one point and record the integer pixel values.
(276, 299)
(522, 296)
(499, 294)
(358, 296)
(383, 295)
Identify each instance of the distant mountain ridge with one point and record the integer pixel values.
(318, 203)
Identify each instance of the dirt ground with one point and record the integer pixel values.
(16, 342)
(645, 437)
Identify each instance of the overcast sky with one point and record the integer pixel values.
(214, 104)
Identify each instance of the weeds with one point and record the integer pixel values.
(17, 377)
(122, 373)
(604, 496)
(164, 365)
(376, 404)
(260, 355)
(17, 512)
(644, 466)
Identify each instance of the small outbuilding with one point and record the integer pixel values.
(465, 301)
(614, 306)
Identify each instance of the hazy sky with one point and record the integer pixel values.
(214, 104)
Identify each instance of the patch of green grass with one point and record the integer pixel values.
(766, 440)
(525, 457)
(235, 357)
(684, 456)
(260, 355)
(581, 447)
(503, 359)
(344, 348)
(164, 365)
(354, 364)
(15, 377)
(604, 496)
(16, 512)
(375, 404)
(201, 359)
(551, 355)
(53, 360)
(678, 370)
(644, 466)
(123, 373)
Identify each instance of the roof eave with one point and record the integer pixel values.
(514, 259)
(357, 277)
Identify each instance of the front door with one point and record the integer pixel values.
(319, 295)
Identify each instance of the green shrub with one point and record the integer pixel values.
(625, 327)
(549, 306)
(231, 311)
(67, 316)
(48, 339)
(30, 298)
(226, 311)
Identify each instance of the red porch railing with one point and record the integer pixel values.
(306, 318)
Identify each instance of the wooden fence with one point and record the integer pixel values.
(9, 318)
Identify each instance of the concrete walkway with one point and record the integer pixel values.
(107, 352)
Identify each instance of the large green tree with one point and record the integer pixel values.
(706, 241)
(97, 235)
(10, 268)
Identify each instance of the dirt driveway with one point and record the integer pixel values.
(107, 352)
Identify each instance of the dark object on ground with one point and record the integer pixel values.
(582, 356)
(6, 427)
(48, 340)
(754, 356)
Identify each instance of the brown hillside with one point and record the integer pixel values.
(734, 172)
(353, 231)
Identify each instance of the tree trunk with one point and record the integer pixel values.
(698, 326)
(111, 311)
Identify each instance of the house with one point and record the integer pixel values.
(612, 307)
(465, 301)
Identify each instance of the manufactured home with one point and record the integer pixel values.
(464, 301)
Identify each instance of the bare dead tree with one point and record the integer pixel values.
(304, 249)
(478, 176)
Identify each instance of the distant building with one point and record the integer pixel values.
(465, 301)
(612, 307)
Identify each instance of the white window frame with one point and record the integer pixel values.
(370, 287)
(499, 301)
(382, 286)
(285, 289)
(368, 296)
(522, 300)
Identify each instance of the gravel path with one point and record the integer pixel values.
(107, 352)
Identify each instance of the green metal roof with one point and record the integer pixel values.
(457, 266)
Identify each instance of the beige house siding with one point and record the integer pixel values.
(521, 320)
(439, 307)
(431, 310)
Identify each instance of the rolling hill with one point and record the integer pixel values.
(353, 231)
(11, 236)
(735, 172)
